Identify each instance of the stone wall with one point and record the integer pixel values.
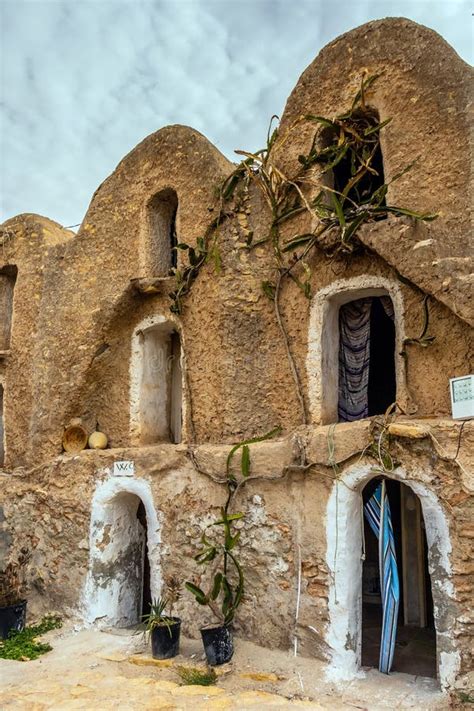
(284, 548)
(81, 300)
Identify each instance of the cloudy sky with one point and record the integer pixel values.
(83, 81)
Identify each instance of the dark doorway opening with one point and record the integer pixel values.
(146, 589)
(173, 238)
(415, 650)
(367, 381)
(382, 385)
(2, 452)
(345, 170)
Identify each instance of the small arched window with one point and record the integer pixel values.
(2, 445)
(355, 347)
(162, 212)
(360, 172)
(7, 285)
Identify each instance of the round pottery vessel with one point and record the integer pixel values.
(74, 438)
(98, 440)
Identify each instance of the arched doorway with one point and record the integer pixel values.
(415, 644)
(344, 559)
(123, 567)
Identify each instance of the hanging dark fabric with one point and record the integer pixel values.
(354, 359)
(387, 304)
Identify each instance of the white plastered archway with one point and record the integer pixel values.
(164, 325)
(344, 525)
(323, 341)
(110, 597)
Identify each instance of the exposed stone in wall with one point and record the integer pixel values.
(78, 307)
(282, 535)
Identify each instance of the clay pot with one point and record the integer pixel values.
(74, 438)
(98, 440)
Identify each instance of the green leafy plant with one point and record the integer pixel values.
(465, 697)
(225, 588)
(339, 183)
(196, 676)
(157, 616)
(352, 140)
(24, 646)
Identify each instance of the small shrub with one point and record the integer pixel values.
(196, 676)
(23, 646)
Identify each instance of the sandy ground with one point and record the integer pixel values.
(91, 669)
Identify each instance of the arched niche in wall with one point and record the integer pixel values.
(7, 285)
(341, 176)
(124, 559)
(156, 389)
(329, 310)
(2, 442)
(344, 558)
(160, 234)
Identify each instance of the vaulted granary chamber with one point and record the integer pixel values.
(266, 348)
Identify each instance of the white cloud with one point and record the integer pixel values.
(83, 81)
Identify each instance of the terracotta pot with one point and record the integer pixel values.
(74, 438)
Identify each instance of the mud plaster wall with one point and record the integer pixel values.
(238, 375)
(76, 311)
(284, 530)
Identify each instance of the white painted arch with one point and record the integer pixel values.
(149, 354)
(112, 593)
(323, 341)
(344, 526)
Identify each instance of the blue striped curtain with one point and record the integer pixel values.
(377, 512)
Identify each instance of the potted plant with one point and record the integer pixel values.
(12, 592)
(225, 591)
(164, 629)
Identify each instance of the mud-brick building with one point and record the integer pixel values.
(87, 332)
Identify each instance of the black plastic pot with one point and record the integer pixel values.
(218, 644)
(12, 617)
(165, 640)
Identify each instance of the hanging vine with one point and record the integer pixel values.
(351, 140)
(343, 169)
